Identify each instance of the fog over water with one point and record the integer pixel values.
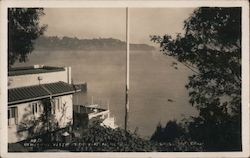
(157, 92)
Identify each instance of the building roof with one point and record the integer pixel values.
(36, 69)
(37, 92)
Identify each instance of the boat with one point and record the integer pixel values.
(94, 112)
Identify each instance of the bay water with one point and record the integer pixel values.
(157, 91)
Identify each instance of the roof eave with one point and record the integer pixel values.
(42, 97)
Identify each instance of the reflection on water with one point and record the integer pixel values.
(157, 92)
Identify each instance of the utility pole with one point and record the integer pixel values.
(127, 70)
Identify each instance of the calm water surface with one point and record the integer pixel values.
(157, 92)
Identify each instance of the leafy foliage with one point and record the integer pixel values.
(168, 134)
(98, 138)
(103, 139)
(211, 48)
(23, 29)
(174, 137)
(36, 126)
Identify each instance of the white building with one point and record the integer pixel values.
(30, 91)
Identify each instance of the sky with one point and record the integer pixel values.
(89, 23)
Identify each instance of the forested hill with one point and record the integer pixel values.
(67, 43)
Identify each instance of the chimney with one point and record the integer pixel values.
(68, 69)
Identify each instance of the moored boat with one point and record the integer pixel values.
(94, 112)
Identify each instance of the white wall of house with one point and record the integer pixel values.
(64, 114)
(62, 108)
(32, 79)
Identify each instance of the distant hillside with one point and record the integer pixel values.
(67, 43)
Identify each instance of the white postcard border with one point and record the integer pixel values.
(122, 4)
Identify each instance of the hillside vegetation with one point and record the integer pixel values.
(97, 138)
(68, 43)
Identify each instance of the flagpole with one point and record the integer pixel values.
(127, 70)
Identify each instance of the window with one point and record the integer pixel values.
(12, 116)
(53, 109)
(40, 108)
(56, 106)
(34, 108)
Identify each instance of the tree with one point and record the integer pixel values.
(172, 131)
(211, 48)
(46, 123)
(23, 29)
